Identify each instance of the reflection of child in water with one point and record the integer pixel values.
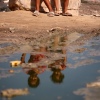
(33, 80)
(57, 76)
(57, 67)
(34, 58)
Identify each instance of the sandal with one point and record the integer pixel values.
(50, 14)
(67, 14)
(57, 14)
(36, 13)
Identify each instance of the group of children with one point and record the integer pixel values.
(51, 12)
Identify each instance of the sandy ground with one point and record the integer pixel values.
(18, 27)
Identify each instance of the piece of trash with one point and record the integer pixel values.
(9, 93)
(97, 15)
(15, 63)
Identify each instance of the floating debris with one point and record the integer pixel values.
(15, 63)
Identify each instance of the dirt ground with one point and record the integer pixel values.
(18, 27)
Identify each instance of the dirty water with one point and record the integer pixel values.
(63, 67)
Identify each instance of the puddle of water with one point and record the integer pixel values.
(5, 45)
(56, 69)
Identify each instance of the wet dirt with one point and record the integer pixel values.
(20, 28)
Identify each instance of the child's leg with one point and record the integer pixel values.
(51, 13)
(48, 5)
(36, 13)
(65, 12)
(56, 4)
(66, 2)
(37, 3)
(57, 7)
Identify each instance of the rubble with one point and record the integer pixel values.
(4, 6)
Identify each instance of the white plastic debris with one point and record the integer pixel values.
(15, 63)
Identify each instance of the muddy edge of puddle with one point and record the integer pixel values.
(17, 38)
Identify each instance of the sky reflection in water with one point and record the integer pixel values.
(63, 69)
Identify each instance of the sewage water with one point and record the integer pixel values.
(63, 67)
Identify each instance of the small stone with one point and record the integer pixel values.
(12, 30)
